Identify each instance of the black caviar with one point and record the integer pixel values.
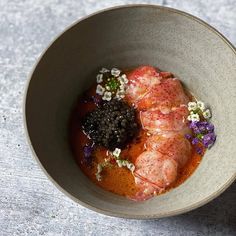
(111, 125)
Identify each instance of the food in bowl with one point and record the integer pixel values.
(139, 133)
(71, 62)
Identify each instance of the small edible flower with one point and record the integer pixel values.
(202, 126)
(192, 106)
(199, 150)
(116, 152)
(126, 163)
(192, 125)
(113, 84)
(104, 70)
(210, 127)
(207, 114)
(188, 136)
(88, 149)
(120, 162)
(107, 96)
(115, 72)
(123, 79)
(99, 78)
(113, 81)
(120, 94)
(97, 100)
(122, 87)
(108, 162)
(209, 139)
(195, 141)
(100, 168)
(108, 87)
(201, 105)
(193, 117)
(98, 173)
(131, 167)
(100, 90)
(202, 131)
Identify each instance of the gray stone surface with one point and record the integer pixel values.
(29, 203)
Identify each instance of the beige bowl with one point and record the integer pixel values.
(124, 37)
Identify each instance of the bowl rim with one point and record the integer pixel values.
(84, 204)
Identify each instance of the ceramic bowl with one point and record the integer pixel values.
(126, 37)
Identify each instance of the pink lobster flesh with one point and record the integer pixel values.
(162, 103)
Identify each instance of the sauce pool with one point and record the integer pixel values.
(115, 179)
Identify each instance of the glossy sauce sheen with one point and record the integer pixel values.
(115, 179)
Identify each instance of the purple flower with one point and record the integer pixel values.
(87, 150)
(195, 141)
(199, 150)
(202, 126)
(209, 139)
(86, 99)
(88, 154)
(203, 123)
(210, 127)
(203, 133)
(194, 126)
(97, 100)
(196, 130)
(205, 127)
(188, 136)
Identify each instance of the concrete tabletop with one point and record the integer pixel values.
(29, 203)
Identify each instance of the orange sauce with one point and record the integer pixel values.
(188, 169)
(115, 179)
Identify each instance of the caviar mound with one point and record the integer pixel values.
(112, 125)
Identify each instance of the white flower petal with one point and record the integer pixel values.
(126, 163)
(120, 80)
(99, 168)
(104, 70)
(122, 87)
(120, 94)
(192, 106)
(131, 166)
(115, 72)
(99, 78)
(189, 118)
(123, 163)
(119, 163)
(98, 177)
(207, 114)
(201, 105)
(193, 117)
(98, 173)
(107, 96)
(100, 90)
(116, 152)
(124, 77)
(108, 87)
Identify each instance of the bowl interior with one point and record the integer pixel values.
(127, 37)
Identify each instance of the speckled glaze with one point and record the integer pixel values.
(126, 37)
